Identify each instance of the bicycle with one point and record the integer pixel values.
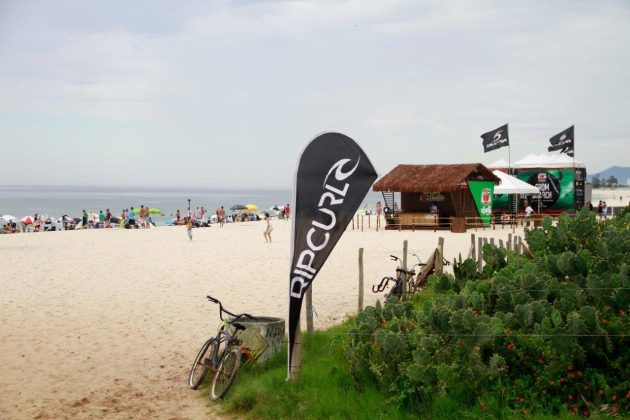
(220, 354)
(396, 290)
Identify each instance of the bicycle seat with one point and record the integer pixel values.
(239, 327)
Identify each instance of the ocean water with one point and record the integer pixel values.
(56, 201)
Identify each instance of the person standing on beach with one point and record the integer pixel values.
(269, 229)
(141, 216)
(146, 217)
(221, 216)
(189, 228)
(101, 219)
(287, 211)
(84, 220)
(379, 209)
(132, 218)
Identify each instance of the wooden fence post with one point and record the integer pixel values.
(492, 241)
(479, 257)
(360, 279)
(369, 224)
(500, 243)
(471, 252)
(353, 223)
(509, 242)
(404, 266)
(439, 261)
(361, 223)
(309, 310)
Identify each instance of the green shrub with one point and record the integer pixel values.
(546, 334)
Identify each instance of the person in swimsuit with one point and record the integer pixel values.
(221, 216)
(267, 233)
(189, 229)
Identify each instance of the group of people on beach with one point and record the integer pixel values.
(129, 219)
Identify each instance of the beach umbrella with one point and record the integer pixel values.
(155, 211)
(9, 218)
(238, 207)
(251, 207)
(27, 220)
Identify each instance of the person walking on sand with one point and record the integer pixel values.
(221, 216)
(267, 233)
(189, 229)
(379, 209)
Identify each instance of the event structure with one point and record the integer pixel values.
(437, 196)
(560, 180)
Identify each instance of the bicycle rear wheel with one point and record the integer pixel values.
(226, 372)
(200, 365)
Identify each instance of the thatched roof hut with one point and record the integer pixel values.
(436, 178)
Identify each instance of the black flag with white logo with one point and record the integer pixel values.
(495, 139)
(333, 176)
(565, 142)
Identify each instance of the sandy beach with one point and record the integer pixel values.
(105, 323)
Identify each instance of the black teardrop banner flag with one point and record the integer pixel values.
(332, 178)
(495, 139)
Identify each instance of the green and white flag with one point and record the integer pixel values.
(483, 193)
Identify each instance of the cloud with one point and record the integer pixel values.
(251, 81)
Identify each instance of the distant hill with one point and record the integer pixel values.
(620, 172)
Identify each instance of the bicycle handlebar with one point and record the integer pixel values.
(222, 309)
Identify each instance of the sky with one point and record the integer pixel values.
(225, 94)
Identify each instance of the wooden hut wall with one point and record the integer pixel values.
(469, 206)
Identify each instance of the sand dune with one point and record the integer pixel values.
(105, 323)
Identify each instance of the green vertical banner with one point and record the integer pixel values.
(483, 192)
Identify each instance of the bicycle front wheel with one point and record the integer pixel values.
(226, 372)
(200, 365)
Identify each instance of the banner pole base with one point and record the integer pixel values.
(296, 361)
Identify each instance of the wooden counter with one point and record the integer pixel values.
(418, 219)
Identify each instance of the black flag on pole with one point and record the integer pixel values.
(332, 178)
(495, 139)
(564, 141)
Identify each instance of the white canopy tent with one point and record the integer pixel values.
(512, 185)
(501, 163)
(547, 161)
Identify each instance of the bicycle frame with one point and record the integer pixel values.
(400, 270)
(220, 354)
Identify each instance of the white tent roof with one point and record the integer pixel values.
(501, 163)
(547, 161)
(513, 185)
